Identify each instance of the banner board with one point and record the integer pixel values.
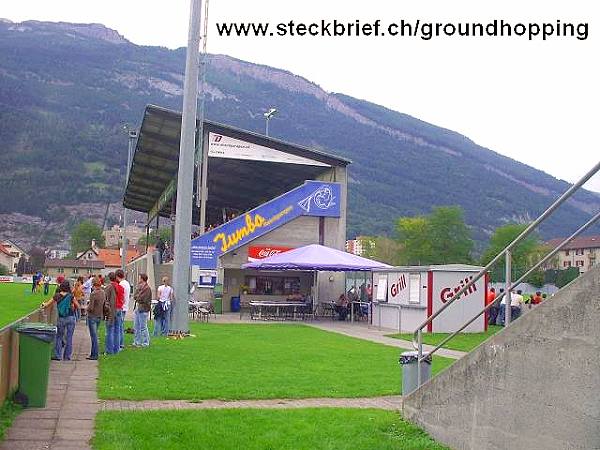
(261, 252)
(313, 198)
(221, 146)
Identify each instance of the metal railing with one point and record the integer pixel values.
(509, 285)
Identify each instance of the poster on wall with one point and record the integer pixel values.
(398, 289)
(381, 288)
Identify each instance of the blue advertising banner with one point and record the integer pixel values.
(313, 198)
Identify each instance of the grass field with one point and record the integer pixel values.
(16, 301)
(246, 361)
(464, 342)
(250, 429)
(8, 411)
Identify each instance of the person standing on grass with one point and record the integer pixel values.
(493, 311)
(110, 315)
(126, 295)
(87, 288)
(78, 294)
(165, 297)
(46, 284)
(34, 281)
(66, 305)
(95, 311)
(143, 302)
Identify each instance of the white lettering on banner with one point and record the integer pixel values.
(220, 146)
(447, 293)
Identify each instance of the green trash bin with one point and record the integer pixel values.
(218, 305)
(35, 349)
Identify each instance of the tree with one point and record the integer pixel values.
(440, 238)
(523, 256)
(450, 237)
(37, 258)
(3, 269)
(412, 236)
(83, 234)
(22, 266)
(164, 233)
(564, 277)
(381, 248)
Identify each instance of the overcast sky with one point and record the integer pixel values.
(537, 102)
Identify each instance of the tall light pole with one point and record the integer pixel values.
(124, 242)
(185, 175)
(268, 116)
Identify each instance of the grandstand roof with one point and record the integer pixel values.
(237, 184)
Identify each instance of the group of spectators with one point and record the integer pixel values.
(497, 313)
(100, 300)
(359, 300)
(38, 280)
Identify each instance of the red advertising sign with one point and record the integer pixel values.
(261, 252)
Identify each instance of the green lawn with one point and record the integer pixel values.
(8, 412)
(16, 301)
(248, 429)
(253, 361)
(464, 342)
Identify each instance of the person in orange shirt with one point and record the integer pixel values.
(537, 298)
(493, 311)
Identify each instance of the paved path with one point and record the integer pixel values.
(362, 331)
(67, 421)
(391, 402)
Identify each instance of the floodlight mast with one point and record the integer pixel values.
(124, 238)
(268, 116)
(185, 175)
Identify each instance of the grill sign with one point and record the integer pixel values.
(400, 285)
(447, 293)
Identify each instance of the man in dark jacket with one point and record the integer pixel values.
(143, 302)
(95, 311)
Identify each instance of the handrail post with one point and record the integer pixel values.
(507, 296)
(419, 356)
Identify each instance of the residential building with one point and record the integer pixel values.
(6, 258)
(16, 251)
(114, 235)
(582, 252)
(57, 253)
(111, 257)
(72, 268)
(360, 245)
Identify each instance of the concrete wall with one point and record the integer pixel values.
(535, 385)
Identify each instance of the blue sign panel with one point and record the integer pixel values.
(313, 198)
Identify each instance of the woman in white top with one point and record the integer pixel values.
(163, 308)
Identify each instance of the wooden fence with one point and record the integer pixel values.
(9, 353)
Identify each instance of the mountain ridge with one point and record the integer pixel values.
(75, 111)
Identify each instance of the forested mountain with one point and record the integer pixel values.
(66, 90)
